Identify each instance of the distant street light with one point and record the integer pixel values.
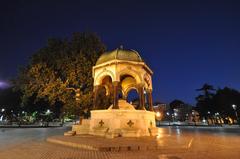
(158, 114)
(234, 106)
(3, 110)
(235, 109)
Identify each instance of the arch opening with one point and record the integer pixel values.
(107, 84)
(104, 99)
(127, 82)
(133, 98)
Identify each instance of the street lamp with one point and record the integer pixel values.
(158, 114)
(235, 109)
(1, 117)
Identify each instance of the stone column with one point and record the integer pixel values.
(124, 97)
(95, 94)
(150, 100)
(115, 94)
(141, 97)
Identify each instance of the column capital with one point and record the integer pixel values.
(140, 85)
(149, 90)
(115, 83)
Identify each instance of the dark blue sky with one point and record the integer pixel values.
(186, 43)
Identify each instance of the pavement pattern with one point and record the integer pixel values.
(185, 145)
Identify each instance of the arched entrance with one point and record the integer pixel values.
(133, 98)
(103, 93)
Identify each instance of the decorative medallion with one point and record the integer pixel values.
(130, 123)
(101, 123)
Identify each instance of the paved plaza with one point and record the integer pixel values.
(173, 143)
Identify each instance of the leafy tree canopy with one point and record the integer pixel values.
(176, 104)
(220, 100)
(224, 99)
(9, 99)
(60, 65)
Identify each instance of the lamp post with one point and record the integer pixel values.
(158, 115)
(209, 118)
(1, 117)
(169, 120)
(235, 110)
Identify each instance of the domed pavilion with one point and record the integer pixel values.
(119, 71)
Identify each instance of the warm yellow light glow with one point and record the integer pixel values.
(158, 114)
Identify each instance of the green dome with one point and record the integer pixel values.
(119, 54)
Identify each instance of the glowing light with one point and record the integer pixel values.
(158, 114)
(3, 84)
(234, 106)
(48, 112)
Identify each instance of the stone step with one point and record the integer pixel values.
(102, 144)
(70, 133)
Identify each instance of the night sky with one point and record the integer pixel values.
(185, 43)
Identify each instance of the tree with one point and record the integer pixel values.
(223, 101)
(176, 104)
(204, 100)
(179, 109)
(62, 64)
(207, 90)
(10, 102)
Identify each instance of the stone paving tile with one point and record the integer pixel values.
(44, 150)
(122, 144)
(194, 147)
